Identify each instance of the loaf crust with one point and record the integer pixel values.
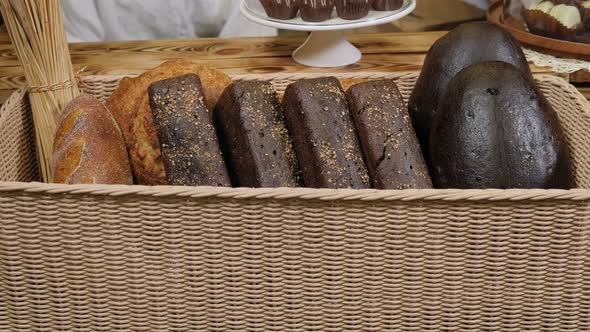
(388, 139)
(324, 137)
(254, 137)
(189, 145)
(89, 147)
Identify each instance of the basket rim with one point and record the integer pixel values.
(284, 75)
(301, 193)
(584, 104)
(307, 193)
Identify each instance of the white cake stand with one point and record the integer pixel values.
(326, 45)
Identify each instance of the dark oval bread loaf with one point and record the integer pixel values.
(391, 148)
(495, 129)
(254, 136)
(326, 143)
(468, 44)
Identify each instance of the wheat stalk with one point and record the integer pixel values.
(37, 33)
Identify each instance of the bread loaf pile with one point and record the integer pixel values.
(186, 124)
(474, 120)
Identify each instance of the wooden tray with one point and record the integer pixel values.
(547, 45)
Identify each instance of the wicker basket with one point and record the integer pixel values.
(116, 258)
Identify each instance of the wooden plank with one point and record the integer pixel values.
(244, 55)
(382, 52)
(134, 60)
(399, 42)
(207, 49)
(11, 78)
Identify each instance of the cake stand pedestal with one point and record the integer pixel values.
(327, 49)
(326, 46)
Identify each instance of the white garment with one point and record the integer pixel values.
(110, 20)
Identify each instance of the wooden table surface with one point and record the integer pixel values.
(382, 52)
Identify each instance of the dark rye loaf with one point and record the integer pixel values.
(390, 145)
(254, 137)
(327, 146)
(189, 145)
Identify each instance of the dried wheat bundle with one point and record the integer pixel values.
(37, 33)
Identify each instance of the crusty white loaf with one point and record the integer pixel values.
(89, 147)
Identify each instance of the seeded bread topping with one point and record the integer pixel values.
(254, 137)
(188, 142)
(324, 137)
(389, 143)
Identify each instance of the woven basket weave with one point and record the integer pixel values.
(116, 258)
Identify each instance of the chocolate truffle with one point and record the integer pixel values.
(353, 9)
(316, 10)
(281, 9)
